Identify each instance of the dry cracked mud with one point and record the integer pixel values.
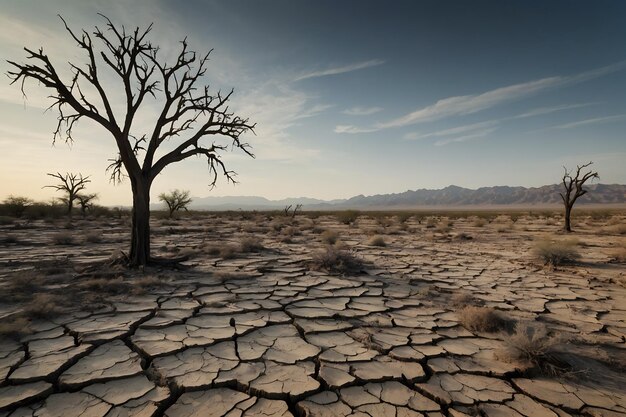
(263, 334)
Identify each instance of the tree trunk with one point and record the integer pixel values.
(140, 238)
(568, 215)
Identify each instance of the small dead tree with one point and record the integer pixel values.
(187, 110)
(573, 184)
(176, 200)
(295, 210)
(16, 205)
(71, 184)
(86, 202)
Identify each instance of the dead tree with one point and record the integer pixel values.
(71, 185)
(286, 210)
(295, 210)
(176, 200)
(574, 189)
(187, 113)
(86, 202)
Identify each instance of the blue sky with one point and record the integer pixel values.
(353, 97)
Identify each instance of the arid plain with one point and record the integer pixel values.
(321, 314)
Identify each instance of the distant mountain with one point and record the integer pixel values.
(450, 196)
(489, 196)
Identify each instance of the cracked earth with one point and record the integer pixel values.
(263, 334)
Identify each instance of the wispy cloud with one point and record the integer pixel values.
(340, 70)
(353, 129)
(547, 110)
(469, 104)
(452, 131)
(595, 120)
(362, 111)
(479, 134)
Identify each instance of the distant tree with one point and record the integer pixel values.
(573, 186)
(16, 205)
(188, 111)
(71, 185)
(175, 200)
(86, 202)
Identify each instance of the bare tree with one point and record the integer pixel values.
(71, 184)
(574, 189)
(86, 202)
(176, 200)
(188, 111)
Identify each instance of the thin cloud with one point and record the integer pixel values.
(547, 110)
(469, 104)
(341, 70)
(591, 121)
(353, 129)
(362, 111)
(452, 131)
(465, 138)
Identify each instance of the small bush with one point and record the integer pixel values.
(93, 237)
(376, 241)
(14, 327)
(348, 216)
(43, 306)
(431, 223)
(444, 226)
(63, 238)
(223, 251)
(479, 222)
(504, 227)
(556, 252)
(463, 299)
(329, 237)
(336, 260)
(480, 319)
(531, 344)
(251, 244)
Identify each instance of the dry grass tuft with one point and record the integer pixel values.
(44, 305)
(348, 216)
(63, 238)
(329, 237)
(335, 260)
(93, 237)
(251, 244)
(481, 319)
(479, 222)
(377, 241)
(555, 252)
(462, 299)
(15, 328)
(531, 344)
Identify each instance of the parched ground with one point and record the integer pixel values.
(249, 331)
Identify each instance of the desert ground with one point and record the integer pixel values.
(336, 314)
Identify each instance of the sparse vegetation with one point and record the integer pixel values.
(480, 319)
(251, 244)
(377, 241)
(335, 260)
(532, 344)
(556, 252)
(329, 237)
(348, 216)
(63, 238)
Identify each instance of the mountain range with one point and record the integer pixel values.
(451, 196)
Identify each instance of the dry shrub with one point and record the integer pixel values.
(251, 244)
(619, 229)
(481, 319)
(348, 216)
(530, 343)
(377, 241)
(504, 227)
(462, 299)
(431, 223)
(223, 251)
(44, 306)
(555, 252)
(463, 236)
(93, 237)
(105, 285)
(444, 226)
(63, 238)
(335, 260)
(479, 222)
(329, 237)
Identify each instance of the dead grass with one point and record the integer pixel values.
(377, 241)
(251, 244)
(481, 319)
(63, 238)
(556, 252)
(45, 305)
(223, 251)
(93, 237)
(329, 237)
(338, 261)
(462, 299)
(15, 327)
(348, 216)
(531, 344)
(479, 222)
